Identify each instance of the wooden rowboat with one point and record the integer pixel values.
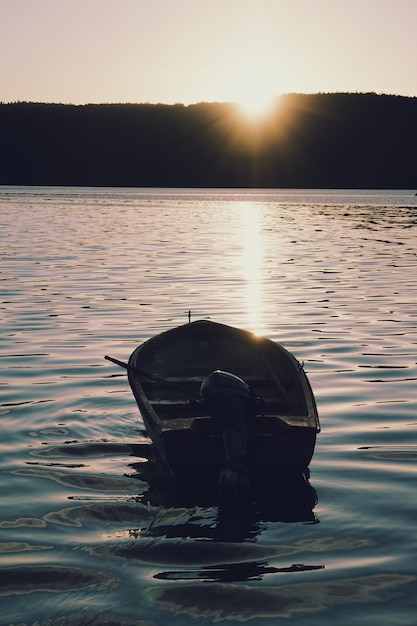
(195, 432)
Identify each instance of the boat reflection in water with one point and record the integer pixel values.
(287, 498)
(220, 532)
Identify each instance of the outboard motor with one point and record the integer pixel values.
(232, 403)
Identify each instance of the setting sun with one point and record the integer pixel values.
(256, 105)
(253, 86)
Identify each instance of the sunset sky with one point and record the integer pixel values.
(168, 51)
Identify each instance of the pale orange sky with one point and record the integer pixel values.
(82, 51)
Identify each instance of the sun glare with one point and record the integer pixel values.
(256, 106)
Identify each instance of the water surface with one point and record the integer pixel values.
(84, 539)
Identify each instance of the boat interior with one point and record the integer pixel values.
(179, 368)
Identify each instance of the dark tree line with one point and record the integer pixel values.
(309, 141)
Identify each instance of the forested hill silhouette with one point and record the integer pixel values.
(309, 141)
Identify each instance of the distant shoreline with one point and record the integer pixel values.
(320, 141)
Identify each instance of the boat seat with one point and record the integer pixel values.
(177, 409)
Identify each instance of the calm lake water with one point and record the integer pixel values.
(84, 539)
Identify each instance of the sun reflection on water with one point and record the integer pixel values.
(252, 262)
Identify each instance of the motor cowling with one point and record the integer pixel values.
(232, 403)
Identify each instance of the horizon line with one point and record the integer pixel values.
(200, 102)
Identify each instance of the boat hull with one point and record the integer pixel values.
(166, 368)
(289, 451)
